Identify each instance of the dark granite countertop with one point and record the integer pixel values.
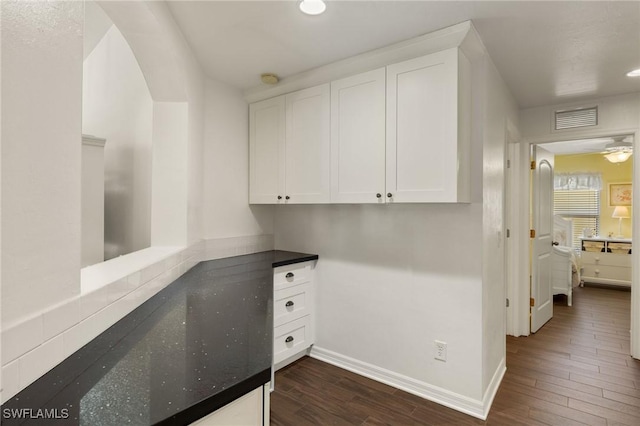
(200, 343)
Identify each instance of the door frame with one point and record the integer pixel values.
(520, 216)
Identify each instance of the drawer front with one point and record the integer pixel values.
(607, 259)
(291, 303)
(606, 272)
(291, 338)
(290, 275)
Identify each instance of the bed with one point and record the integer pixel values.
(565, 270)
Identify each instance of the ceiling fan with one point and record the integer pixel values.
(619, 150)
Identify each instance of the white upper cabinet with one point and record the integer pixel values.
(289, 148)
(358, 138)
(266, 151)
(308, 146)
(428, 120)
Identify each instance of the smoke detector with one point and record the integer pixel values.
(269, 78)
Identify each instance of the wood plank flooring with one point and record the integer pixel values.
(575, 371)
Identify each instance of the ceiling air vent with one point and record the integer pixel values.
(579, 117)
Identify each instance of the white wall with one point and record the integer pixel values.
(391, 280)
(500, 111)
(41, 133)
(118, 107)
(227, 211)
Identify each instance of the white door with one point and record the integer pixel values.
(308, 146)
(422, 129)
(542, 221)
(357, 138)
(266, 151)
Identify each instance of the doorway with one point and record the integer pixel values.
(518, 318)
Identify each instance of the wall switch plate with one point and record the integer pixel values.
(440, 350)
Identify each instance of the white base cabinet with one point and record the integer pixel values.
(293, 312)
(251, 409)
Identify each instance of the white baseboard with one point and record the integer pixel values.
(492, 389)
(464, 404)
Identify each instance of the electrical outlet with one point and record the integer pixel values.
(440, 350)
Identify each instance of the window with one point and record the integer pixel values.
(582, 206)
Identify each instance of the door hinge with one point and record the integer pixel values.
(508, 164)
(507, 302)
(532, 302)
(508, 233)
(532, 233)
(533, 164)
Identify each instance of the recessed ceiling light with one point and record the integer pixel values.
(312, 7)
(634, 73)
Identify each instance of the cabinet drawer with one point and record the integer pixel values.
(606, 272)
(290, 275)
(608, 259)
(291, 303)
(291, 338)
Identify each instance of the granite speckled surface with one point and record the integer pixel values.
(198, 344)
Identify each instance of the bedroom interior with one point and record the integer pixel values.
(592, 214)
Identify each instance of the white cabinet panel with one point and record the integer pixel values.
(358, 138)
(266, 148)
(247, 410)
(427, 142)
(308, 146)
(293, 312)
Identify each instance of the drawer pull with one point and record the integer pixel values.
(289, 275)
(597, 271)
(289, 304)
(289, 339)
(389, 195)
(597, 259)
(378, 195)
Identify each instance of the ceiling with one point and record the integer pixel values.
(581, 146)
(547, 52)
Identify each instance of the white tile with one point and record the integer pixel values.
(134, 280)
(10, 380)
(78, 336)
(152, 271)
(37, 362)
(61, 317)
(118, 290)
(92, 302)
(21, 338)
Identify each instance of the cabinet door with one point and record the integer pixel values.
(357, 138)
(266, 151)
(308, 146)
(423, 152)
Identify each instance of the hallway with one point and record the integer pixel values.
(575, 370)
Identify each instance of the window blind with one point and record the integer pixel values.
(582, 206)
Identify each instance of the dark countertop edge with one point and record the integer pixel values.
(301, 259)
(209, 405)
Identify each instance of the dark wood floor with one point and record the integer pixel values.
(576, 370)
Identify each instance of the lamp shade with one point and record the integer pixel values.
(621, 212)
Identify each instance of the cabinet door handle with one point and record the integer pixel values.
(289, 275)
(279, 197)
(287, 197)
(378, 195)
(389, 195)
(289, 304)
(289, 339)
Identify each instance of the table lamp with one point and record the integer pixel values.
(620, 212)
